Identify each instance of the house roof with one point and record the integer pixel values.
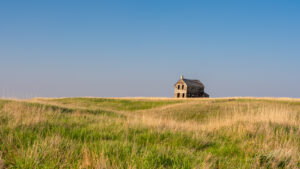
(195, 83)
(190, 82)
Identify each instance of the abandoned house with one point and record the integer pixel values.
(189, 88)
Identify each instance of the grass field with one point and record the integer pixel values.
(150, 133)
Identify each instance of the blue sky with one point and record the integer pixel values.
(140, 48)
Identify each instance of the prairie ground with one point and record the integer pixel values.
(150, 133)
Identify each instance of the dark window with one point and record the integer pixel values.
(178, 95)
(178, 87)
(182, 86)
(182, 94)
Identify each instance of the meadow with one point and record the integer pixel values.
(150, 133)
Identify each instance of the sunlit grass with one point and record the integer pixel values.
(112, 103)
(150, 133)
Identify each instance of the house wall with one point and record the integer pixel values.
(182, 93)
(193, 91)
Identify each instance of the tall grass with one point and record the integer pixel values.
(150, 133)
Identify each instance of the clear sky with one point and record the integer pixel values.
(140, 48)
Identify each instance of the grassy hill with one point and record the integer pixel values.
(150, 133)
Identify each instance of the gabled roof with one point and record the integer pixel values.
(195, 83)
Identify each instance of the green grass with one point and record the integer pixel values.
(115, 104)
(81, 133)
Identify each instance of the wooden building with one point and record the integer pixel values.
(186, 88)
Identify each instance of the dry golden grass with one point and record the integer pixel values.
(25, 115)
(238, 132)
(2, 163)
(230, 114)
